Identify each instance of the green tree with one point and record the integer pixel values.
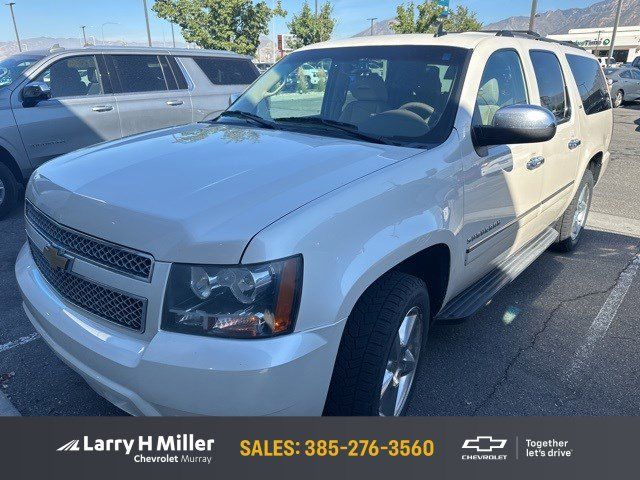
(307, 29)
(426, 21)
(233, 25)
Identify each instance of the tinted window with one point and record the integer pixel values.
(177, 73)
(228, 71)
(139, 73)
(502, 84)
(591, 83)
(73, 77)
(553, 91)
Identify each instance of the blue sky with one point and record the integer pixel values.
(62, 18)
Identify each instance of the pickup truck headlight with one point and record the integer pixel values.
(239, 301)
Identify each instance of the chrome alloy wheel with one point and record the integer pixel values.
(619, 98)
(401, 364)
(2, 191)
(580, 216)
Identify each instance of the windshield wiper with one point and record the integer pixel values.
(349, 128)
(248, 116)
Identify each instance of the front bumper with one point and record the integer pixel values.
(174, 374)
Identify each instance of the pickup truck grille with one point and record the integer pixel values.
(112, 305)
(113, 257)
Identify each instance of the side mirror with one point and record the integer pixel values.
(517, 124)
(35, 92)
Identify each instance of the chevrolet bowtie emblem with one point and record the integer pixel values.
(55, 258)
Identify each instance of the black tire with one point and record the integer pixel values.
(367, 341)
(568, 242)
(11, 189)
(618, 99)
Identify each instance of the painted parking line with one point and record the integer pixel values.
(600, 325)
(20, 341)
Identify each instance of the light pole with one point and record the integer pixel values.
(146, 17)
(15, 26)
(615, 31)
(173, 35)
(373, 19)
(534, 10)
(84, 34)
(104, 25)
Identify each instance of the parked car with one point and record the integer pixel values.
(54, 102)
(624, 83)
(279, 263)
(636, 62)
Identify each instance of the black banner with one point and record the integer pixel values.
(314, 448)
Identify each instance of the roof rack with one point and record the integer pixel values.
(531, 35)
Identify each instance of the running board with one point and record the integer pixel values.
(477, 295)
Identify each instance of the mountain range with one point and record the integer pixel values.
(601, 14)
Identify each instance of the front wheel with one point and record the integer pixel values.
(618, 99)
(8, 191)
(572, 222)
(380, 349)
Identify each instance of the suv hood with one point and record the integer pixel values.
(198, 193)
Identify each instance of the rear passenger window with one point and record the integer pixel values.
(139, 73)
(228, 71)
(502, 84)
(551, 84)
(591, 83)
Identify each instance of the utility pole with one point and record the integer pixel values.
(316, 23)
(615, 31)
(15, 26)
(146, 17)
(173, 35)
(84, 34)
(373, 19)
(534, 11)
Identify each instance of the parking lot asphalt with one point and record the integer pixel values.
(562, 339)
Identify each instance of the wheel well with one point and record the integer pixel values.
(432, 266)
(595, 165)
(9, 161)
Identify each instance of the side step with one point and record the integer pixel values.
(477, 295)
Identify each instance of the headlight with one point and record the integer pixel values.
(240, 301)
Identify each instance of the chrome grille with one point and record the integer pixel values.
(108, 255)
(103, 301)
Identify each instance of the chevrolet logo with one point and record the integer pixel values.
(484, 444)
(56, 258)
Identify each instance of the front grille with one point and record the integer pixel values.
(108, 255)
(103, 301)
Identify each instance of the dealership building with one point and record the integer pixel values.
(598, 41)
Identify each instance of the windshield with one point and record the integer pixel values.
(11, 68)
(403, 95)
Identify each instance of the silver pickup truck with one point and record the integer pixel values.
(54, 102)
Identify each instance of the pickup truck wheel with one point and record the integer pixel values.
(8, 190)
(571, 223)
(380, 349)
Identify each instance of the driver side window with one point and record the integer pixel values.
(502, 84)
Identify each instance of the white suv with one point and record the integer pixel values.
(290, 257)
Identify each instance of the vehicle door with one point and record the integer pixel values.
(561, 154)
(147, 93)
(501, 191)
(635, 77)
(81, 111)
(217, 81)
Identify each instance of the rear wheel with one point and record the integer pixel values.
(571, 224)
(618, 99)
(8, 191)
(380, 349)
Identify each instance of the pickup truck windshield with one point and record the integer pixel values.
(405, 95)
(11, 68)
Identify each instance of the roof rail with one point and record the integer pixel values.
(530, 35)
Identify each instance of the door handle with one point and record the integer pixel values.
(575, 143)
(102, 108)
(175, 103)
(534, 163)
